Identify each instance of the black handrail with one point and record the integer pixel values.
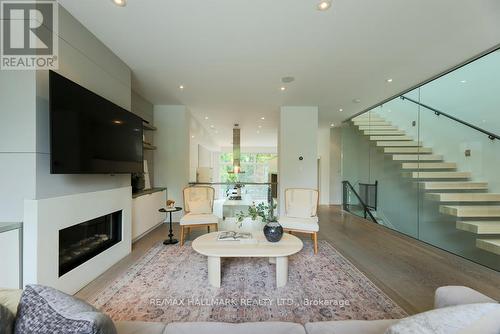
(490, 135)
(365, 207)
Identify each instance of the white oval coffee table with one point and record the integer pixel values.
(214, 249)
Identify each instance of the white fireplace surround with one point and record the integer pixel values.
(45, 217)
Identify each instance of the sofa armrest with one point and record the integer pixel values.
(458, 295)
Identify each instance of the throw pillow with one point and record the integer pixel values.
(447, 320)
(6, 320)
(199, 207)
(10, 299)
(47, 310)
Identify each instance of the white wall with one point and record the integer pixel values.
(324, 165)
(202, 146)
(172, 154)
(298, 136)
(336, 166)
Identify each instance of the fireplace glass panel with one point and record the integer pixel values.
(79, 243)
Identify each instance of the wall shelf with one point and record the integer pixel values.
(147, 146)
(148, 127)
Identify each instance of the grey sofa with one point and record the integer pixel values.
(445, 296)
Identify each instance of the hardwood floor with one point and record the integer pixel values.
(407, 270)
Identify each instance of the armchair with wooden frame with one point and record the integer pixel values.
(198, 209)
(301, 213)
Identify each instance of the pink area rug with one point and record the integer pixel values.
(170, 284)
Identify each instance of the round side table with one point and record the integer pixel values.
(170, 240)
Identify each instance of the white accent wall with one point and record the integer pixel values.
(298, 136)
(172, 153)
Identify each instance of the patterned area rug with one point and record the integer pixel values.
(169, 283)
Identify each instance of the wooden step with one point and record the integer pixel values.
(371, 123)
(377, 127)
(463, 197)
(429, 165)
(489, 245)
(384, 133)
(454, 185)
(468, 211)
(479, 227)
(407, 150)
(410, 143)
(368, 118)
(390, 138)
(440, 175)
(417, 157)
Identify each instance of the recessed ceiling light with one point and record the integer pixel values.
(121, 3)
(324, 5)
(262, 118)
(283, 88)
(192, 136)
(287, 79)
(356, 100)
(212, 126)
(181, 87)
(463, 81)
(341, 109)
(332, 124)
(260, 126)
(389, 80)
(206, 117)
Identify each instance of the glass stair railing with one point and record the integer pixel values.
(436, 153)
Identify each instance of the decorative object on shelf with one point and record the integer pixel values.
(170, 210)
(273, 231)
(147, 179)
(137, 182)
(170, 203)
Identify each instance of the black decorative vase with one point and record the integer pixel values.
(273, 231)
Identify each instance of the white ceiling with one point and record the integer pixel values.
(231, 54)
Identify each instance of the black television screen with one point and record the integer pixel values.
(89, 134)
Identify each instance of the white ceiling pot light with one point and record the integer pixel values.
(120, 3)
(324, 5)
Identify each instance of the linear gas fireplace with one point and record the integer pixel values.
(79, 243)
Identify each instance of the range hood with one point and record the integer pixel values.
(236, 150)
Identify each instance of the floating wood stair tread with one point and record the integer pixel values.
(471, 210)
(417, 157)
(440, 175)
(389, 138)
(464, 197)
(371, 123)
(368, 118)
(384, 133)
(429, 165)
(489, 245)
(407, 150)
(409, 143)
(454, 185)
(479, 227)
(377, 127)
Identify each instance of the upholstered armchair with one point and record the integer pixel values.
(198, 209)
(301, 213)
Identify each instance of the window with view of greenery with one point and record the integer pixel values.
(255, 168)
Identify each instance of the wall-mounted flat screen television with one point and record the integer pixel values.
(89, 134)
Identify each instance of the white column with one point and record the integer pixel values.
(297, 149)
(172, 154)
